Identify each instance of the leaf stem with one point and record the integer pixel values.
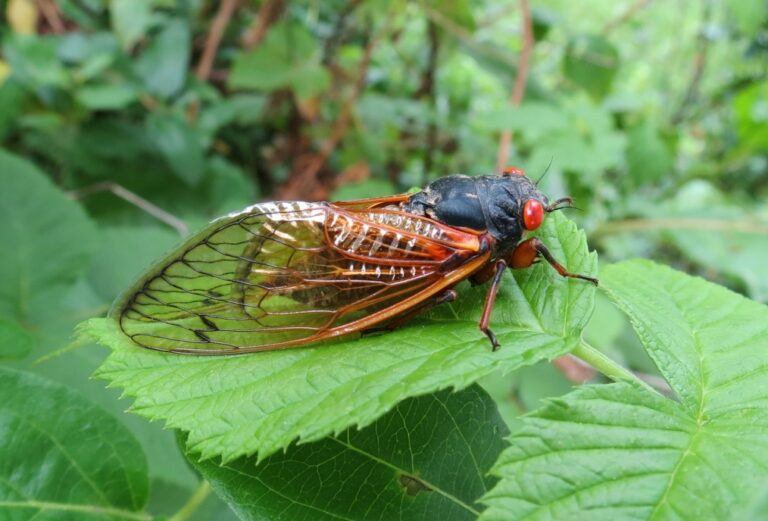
(194, 502)
(96, 510)
(605, 365)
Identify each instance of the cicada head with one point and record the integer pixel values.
(516, 205)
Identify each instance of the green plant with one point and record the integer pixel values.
(127, 123)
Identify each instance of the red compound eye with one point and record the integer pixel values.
(511, 170)
(533, 214)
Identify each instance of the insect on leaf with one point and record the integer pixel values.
(235, 406)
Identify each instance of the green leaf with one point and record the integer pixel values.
(372, 187)
(748, 15)
(124, 251)
(163, 64)
(426, 459)
(621, 451)
(46, 239)
(534, 119)
(107, 97)
(64, 458)
(591, 62)
(648, 157)
(34, 62)
(12, 99)
(130, 19)
(235, 406)
(177, 142)
(15, 341)
(736, 253)
(287, 57)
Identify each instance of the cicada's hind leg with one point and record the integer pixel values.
(528, 252)
(446, 296)
(499, 268)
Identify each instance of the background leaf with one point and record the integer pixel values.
(287, 58)
(81, 465)
(39, 223)
(622, 451)
(428, 459)
(163, 64)
(290, 394)
(591, 62)
(178, 145)
(130, 19)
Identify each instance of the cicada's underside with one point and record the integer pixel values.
(286, 274)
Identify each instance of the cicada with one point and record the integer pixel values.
(290, 273)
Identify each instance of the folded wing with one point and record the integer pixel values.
(285, 274)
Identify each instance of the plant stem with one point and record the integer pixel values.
(605, 365)
(194, 502)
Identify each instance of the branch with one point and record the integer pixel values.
(50, 12)
(699, 63)
(269, 12)
(194, 502)
(465, 36)
(626, 16)
(427, 90)
(219, 25)
(134, 199)
(337, 35)
(518, 91)
(708, 225)
(302, 181)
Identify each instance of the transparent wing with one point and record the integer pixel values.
(284, 274)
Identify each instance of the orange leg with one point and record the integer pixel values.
(490, 298)
(528, 252)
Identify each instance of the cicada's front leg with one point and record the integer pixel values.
(528, 252)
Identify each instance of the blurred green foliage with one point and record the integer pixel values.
(653, 115)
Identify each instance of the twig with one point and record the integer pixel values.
(337, 35)
(465, 36)
(518, 91)
(305, 178)
(710, 225)
(51, 14)
(699, 63)
(194, 502)
(427, 90)
(269, 12)
(134, 199)
(624, 17)
(218, 26)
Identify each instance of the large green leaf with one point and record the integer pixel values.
(64, 458)
(426, 459)
(46, 240)
(235, 406)
(621, 451)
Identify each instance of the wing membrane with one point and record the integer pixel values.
(283, 274)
